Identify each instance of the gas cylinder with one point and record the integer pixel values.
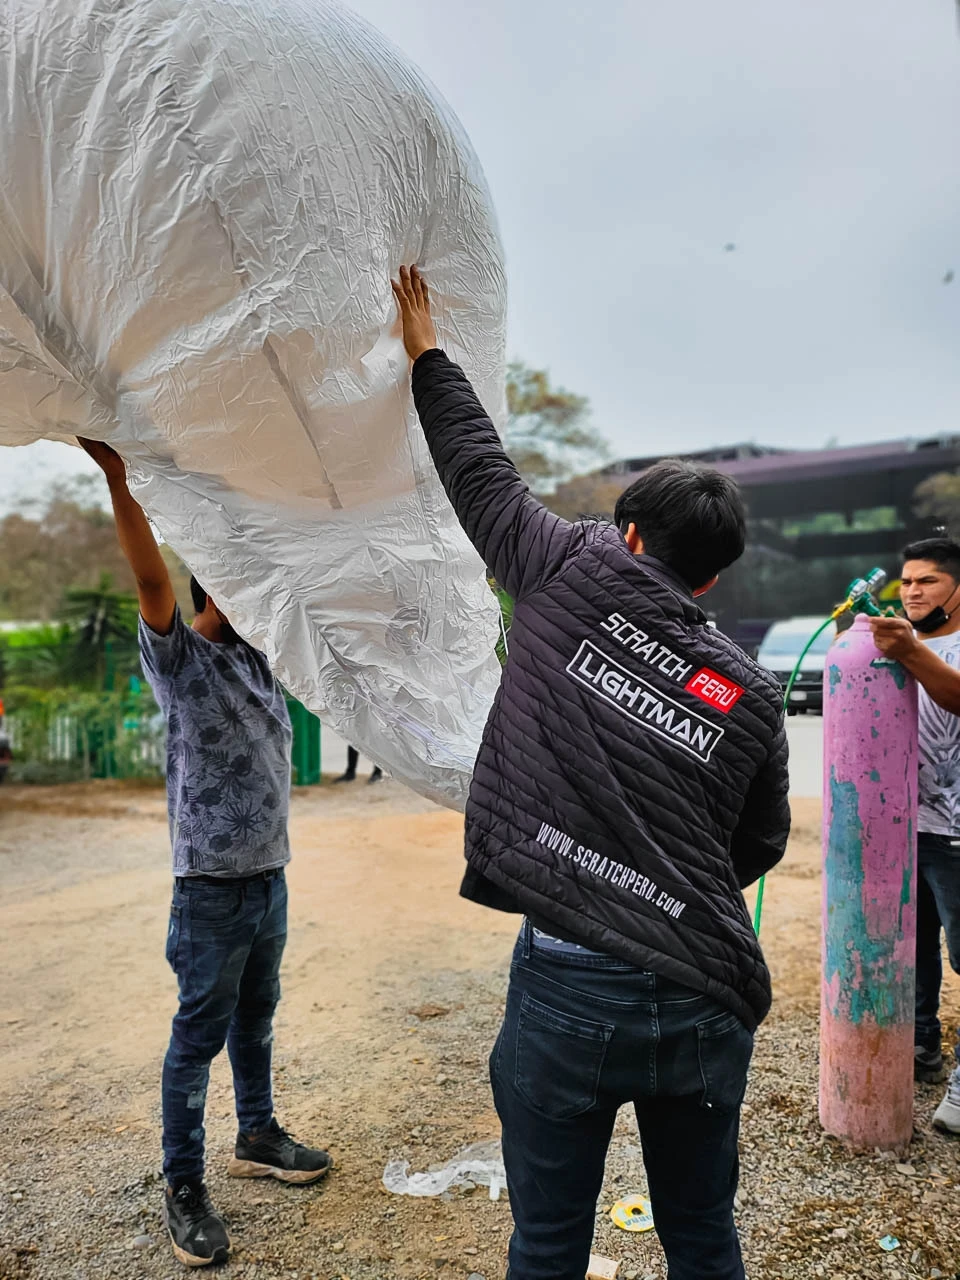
(869, 894)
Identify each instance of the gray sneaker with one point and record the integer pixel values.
(947, 1115)
(928, 1065)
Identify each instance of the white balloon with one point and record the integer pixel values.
(200, 209)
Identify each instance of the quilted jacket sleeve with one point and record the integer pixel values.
(521, 542)
(761, 835)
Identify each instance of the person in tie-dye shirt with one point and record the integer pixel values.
(927, 643)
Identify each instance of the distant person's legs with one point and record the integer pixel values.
(349, 775)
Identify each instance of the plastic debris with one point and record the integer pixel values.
(889, 1243)
(480, 1164)
(632, 1214)
(602, 1268)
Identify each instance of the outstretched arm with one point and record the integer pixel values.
(154, 588)
(520, 541)
(895, 638)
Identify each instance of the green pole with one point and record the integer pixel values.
(305, 753)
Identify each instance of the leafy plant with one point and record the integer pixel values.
(38, 656)
(103, 630)
(64, 733)
(938, 498)
(548, 434)
(506, 619)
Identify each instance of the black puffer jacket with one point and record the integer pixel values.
(633, 772)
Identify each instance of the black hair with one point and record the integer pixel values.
(198, 594)
(690, 517)
(943, 552)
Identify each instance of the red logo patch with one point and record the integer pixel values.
(714, 689)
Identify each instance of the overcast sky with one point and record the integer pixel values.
(628, 143)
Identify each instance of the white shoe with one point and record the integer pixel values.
(947, 1115)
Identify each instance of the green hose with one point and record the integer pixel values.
(807, 647)
(758, 909)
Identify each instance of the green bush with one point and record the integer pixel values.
(40, 657)
(45, 773)
(65, 734)
(93, 645)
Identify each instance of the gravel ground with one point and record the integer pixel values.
(392, 998)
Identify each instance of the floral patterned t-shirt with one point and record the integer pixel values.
(940, 753)
(228, 752)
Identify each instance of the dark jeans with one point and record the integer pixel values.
(582, 1035)
(938, 908)
(224, 943)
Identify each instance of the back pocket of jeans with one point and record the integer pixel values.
(725, 1048)
(559, 1059)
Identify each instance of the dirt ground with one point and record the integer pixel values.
(393, 990)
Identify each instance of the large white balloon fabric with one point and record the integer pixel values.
(201, 205)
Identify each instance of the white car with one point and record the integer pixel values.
(782, 646)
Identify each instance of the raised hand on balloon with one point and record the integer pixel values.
(413, 299)
(106, 458)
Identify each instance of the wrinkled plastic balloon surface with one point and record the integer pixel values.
(200, 208)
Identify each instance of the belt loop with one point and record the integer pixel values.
(526, 936)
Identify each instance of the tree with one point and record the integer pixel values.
(103, 631)
(69, 541)
(591, 495)
(548, 434)
(938, 498)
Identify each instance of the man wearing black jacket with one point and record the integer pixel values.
(632, 780)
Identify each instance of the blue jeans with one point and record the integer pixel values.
(224, 944)
(938, 909)
(582, 1035)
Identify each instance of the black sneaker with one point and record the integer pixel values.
(928, 1065)
(376, 775)
(274, 1154)
(349, 776)
(196, 1229)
